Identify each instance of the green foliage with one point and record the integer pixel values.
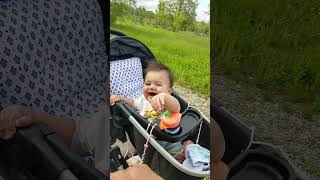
(202, 27)
(181, 14)
(163, 16)
(275, 42)
(175, 15)
(121, 9)
(185, 53)
(178, 21)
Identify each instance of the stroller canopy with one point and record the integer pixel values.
(124, 47)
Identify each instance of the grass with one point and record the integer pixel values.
(186, 54)
(275, 42)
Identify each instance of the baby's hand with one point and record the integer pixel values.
(115, 98)
(158, 102)
(12, 117)
(184, 146)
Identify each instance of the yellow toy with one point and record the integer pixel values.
(150, 114)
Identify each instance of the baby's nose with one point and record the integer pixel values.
(152, 86)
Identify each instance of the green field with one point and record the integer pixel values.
(274, 45)
(186, 54)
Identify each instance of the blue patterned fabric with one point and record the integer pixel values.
(53, 56)
(126, 78)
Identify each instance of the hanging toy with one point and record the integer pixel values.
(170, 122)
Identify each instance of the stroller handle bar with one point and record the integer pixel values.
(33, 137)
(117, 33)
(164, 153)
(67, 175)
(51, 155)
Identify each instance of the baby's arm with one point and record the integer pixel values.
(165, 101)
(115, 98)
(171, 104)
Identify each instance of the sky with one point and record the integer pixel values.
(152, 5)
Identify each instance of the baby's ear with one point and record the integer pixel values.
(170, 90)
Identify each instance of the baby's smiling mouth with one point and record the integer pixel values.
(152, 94)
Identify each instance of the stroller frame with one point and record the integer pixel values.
(160, 149)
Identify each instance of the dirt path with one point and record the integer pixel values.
(296, 136)
(195, 99)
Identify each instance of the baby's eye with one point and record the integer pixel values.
(147, 83)
(158, 84)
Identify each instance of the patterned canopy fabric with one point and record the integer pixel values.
(126, 78)
(53, 56)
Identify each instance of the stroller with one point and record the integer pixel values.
(193, 124)
(43, 45)
(248, 157)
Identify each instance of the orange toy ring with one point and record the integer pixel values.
(170, 120)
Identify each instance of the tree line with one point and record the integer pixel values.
(174, 15)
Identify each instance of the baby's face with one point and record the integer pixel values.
(156, 82)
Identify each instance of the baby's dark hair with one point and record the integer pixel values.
(154, 66)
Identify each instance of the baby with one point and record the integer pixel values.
(157, 89)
